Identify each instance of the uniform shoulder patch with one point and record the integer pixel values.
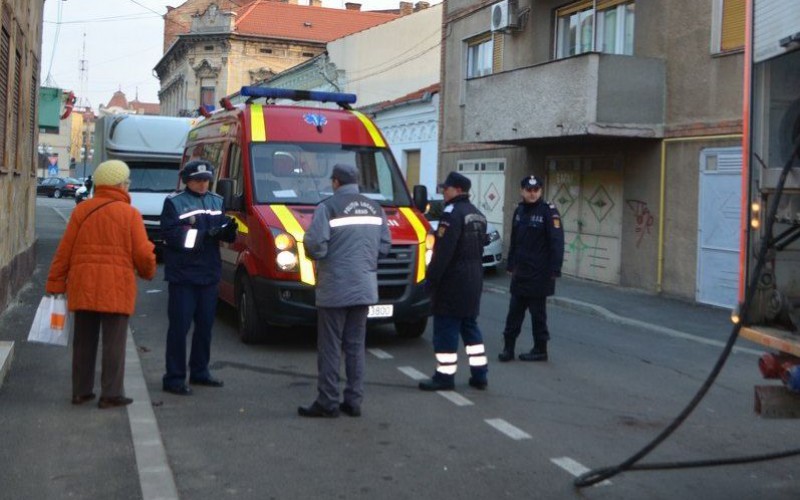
(174, 194)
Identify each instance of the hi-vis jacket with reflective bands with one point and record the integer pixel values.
(200, 263)
(347, 234)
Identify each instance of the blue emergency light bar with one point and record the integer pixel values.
(298, 95)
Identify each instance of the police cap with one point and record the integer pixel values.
(344, 173)
(197, 170)
(530, 182)
(456, 180)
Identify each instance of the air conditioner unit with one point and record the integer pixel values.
(504, 15)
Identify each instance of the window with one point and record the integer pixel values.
(727, 29)
(16, 96)
(480, 57)
(207, 97)
(595, 26)
(33, 118)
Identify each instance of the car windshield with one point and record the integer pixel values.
(154, 177)
(299, 173)
(72, 180)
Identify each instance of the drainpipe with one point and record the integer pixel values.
(662, 195)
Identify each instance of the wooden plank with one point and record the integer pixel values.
(781, 340)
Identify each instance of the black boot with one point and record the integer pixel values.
(538, 353)
(508, 350)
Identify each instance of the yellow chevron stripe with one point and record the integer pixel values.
(421, 234)
(371, 128)
(294, 228)
(258, 128)
(242, 226)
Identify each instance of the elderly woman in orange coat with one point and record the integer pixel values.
(104, 246)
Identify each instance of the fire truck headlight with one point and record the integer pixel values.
(286, 260)
(283, 241)
(429, 241)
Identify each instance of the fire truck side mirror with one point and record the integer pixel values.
(225, 189)
(420, 197)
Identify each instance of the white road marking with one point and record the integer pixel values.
(507, 429)
(155, 475)
(575, 468)
(380, 354)
(412, 372)
(455, 398)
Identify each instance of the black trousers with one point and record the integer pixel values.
(516, 315)
(88, 325)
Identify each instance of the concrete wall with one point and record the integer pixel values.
(18, 181)
(392, 59)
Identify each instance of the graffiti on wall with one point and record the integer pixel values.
(643, 218)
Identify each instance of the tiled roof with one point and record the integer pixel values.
(303, 22)
(118, 99)
(413, 96)
(148, 108)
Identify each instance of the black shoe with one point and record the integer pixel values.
(208, 382)
(534, 355)
(347, 409)
(506, 356)
(113, 402)
(436, 385)
(481, 385)
(316, 410)
(79, 400)
(180, 390)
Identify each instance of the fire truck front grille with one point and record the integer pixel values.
(395, 272)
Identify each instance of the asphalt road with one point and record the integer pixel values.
(607, 390)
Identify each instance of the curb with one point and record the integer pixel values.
(6, 356)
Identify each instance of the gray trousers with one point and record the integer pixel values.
(340, 329)
(84, 353)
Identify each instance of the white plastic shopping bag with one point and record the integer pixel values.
(52, 321)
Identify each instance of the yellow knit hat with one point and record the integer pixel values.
(111, 173)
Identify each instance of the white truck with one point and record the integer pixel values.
(152, 146)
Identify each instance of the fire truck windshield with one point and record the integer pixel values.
(299, 173)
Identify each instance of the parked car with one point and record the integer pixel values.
(492, 245)
(56, 187)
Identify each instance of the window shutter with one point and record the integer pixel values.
(32, 120)
(15, 97)
(733, 14)
(5, 53)
(497, 52)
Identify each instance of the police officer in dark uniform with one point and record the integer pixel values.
(193, 222)
(455, 279)
(534, 261)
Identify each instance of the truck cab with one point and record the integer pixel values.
(274, 166)
(152, 147)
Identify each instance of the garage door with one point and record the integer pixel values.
(588, 193)
(719, 220)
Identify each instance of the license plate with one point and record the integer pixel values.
(381, 311)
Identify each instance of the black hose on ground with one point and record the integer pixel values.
(595, 476)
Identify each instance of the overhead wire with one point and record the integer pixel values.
(55, 43)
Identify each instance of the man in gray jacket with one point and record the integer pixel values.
(346, 236)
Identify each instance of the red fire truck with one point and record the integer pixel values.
(275, 163)
(771, 137)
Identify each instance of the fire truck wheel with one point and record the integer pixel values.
(249, 324)
(411, 330)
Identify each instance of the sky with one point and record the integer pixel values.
(123, 41)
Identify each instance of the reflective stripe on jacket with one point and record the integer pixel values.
(200, 264)
(347, 235)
